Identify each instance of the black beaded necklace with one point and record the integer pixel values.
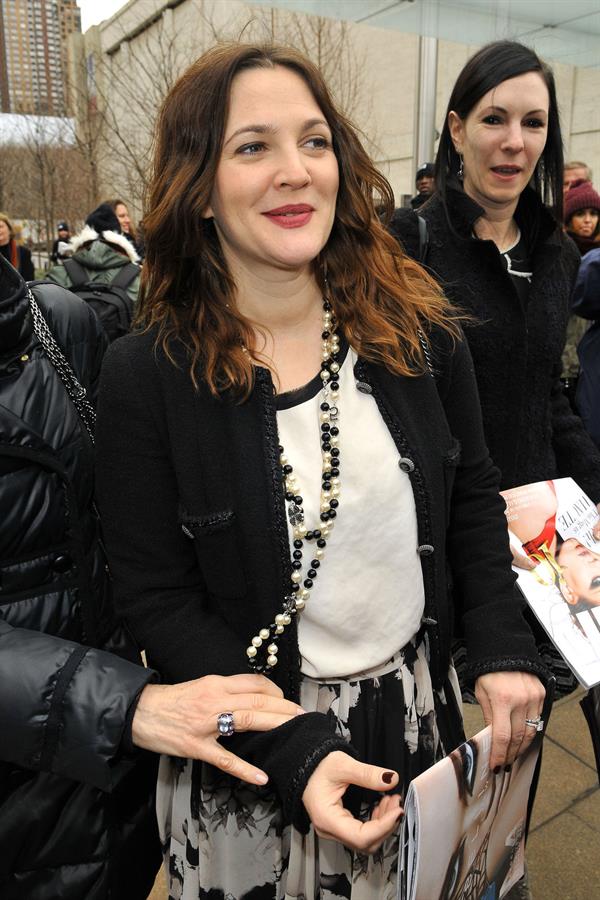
(262, 658)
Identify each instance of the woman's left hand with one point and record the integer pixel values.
(506, 700)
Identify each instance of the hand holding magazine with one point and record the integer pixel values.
(463, 827)
(552, 523)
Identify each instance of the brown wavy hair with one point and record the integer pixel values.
(383, 300)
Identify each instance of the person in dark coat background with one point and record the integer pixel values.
(77, 818)
(582, 224)
(425, 181)
(64, 236)
(16, 254)
(586, 303)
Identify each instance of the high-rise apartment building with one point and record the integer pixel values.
(33, 55)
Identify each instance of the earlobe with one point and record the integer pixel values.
(208, 213)
(455, 127)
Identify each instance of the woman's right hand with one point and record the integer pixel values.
(520, 560)
(322, 799)
(181, 719)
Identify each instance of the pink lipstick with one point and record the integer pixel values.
(292, 215)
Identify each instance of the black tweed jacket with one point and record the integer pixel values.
(193, 513)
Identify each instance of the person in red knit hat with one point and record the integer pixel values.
(582, 216)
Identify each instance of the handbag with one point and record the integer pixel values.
(74, 389)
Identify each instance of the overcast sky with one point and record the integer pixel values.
(94, 11)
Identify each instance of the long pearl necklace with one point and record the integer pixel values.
(262, 658)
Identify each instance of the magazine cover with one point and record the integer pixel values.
(551, 523)
(463, 830)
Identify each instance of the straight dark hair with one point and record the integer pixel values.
(489, 67)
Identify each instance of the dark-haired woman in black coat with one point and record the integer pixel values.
(499, 251)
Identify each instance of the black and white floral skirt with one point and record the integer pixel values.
(225, 840)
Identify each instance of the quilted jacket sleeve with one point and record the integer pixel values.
(64, 707)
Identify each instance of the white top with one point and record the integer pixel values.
(367, 600)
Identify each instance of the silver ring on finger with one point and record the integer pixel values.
(225, 724)
(537, 723)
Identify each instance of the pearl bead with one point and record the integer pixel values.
(335, 367)
(296, 577)
(287, 619)
(324, 417)
(335, 481)
(325, 375)
(334, 439)
(271, 661)
(272, 649)
(319, 554)
(264, 633)
(279, 629)
(279, 619)
(251, 651)
(257, 641)
(304, 594)
(300, 603)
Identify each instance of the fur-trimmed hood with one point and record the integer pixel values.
(88, 234)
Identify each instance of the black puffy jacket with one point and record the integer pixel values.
(76, 806)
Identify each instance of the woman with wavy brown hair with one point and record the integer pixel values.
(290, 458)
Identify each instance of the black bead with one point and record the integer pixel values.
(308, 582)
(335, 473)
(325, 427)
(296, 564)
(326, 475)
(295, 587)
(287, 469)
(315, 563)
(324, 406)
(312, 573)
(324, 517)
(332, 514)
(326, 485)
(321, 543)
(334, 385)
(309, 535)
(280, 448)
(297, 554)
(298, 544)
(334, 430)
(325, 335)
(326, 446)
(298, 500)
(335, 451)
(334, 503)
(317, 533)
(289, 495)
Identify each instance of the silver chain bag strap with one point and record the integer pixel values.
(74, 389)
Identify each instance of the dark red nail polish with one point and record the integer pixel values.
(388, 777)
(496, 770)
(508, 768)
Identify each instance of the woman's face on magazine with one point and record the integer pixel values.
(581, 571)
